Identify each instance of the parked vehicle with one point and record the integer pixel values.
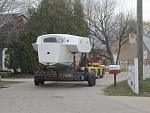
(60, 56)
(97, 68)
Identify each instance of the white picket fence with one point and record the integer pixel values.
(133, 75)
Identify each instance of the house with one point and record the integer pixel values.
(129, 51)
(9, 23)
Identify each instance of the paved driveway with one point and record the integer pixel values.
(69, 97)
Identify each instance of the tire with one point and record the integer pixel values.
(94, 79)
(36, 81)
(103, 73)
(91, 79)
(98, 74)
(41, 81)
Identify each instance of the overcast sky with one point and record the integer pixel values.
(131, 4)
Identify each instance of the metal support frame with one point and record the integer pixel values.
(61, 78)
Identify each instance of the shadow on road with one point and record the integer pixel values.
(64, 85)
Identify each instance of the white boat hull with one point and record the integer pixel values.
(60, 51)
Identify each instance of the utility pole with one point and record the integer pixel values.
(140, 43)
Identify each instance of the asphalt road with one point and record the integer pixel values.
(68, 97)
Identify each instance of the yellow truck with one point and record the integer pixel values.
(97, 68)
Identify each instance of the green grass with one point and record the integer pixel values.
(7, 83)
(11, 75)
(122, 89)
(5, 74)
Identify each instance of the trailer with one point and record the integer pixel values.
(60, 56)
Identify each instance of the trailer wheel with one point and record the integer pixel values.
(91, 79)
(36, 81)
(94, 79)
(41, 81)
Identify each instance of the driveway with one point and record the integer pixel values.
(68, 97)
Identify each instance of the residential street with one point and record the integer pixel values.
(68, 97)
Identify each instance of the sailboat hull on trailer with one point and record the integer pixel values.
(56, 50)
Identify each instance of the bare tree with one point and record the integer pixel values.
(8, 6)
(17, 6)
(126, 25)
(28, 4)
(108, 26)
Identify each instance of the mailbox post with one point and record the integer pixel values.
(114, 69)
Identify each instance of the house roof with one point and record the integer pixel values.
(147, 35)
(4, 18)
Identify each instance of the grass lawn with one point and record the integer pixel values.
(11, 75)
(122, 89)
(5, 74)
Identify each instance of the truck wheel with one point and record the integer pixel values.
(103, 73)
(91, 79)
(98, 74)
(101, 76)
(36, 81)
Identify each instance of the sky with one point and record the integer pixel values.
(132, 4)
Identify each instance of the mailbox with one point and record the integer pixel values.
(114, 69)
